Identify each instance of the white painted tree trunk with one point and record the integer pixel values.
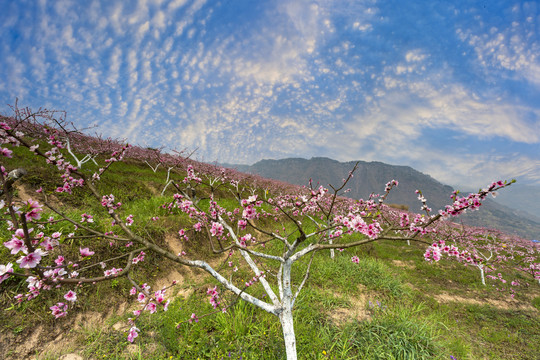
(286, 320)
(481, 267)
(286, 317)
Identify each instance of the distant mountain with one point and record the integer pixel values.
(371, 177)
(522, 198)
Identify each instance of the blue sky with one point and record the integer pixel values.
(451, 88)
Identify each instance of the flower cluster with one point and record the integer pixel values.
(108, 202)
(356, 223)
(191, 176)
(214, 297)
(139, 258)
(59, 310)
(216, 229)
(85, 218)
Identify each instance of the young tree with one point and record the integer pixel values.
(274, 237)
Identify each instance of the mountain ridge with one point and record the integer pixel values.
(371, 177)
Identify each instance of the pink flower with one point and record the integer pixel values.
(15, 245)
(87, 218)
(133, 291)
(33, 210)
(6, 152)
(216, 229)
(4, 269)
(355, 259)
(132, 334)
(242, 224)
(31, 260)
(151, 307)
(86, 252)
(160, 296)
(249, 212)
(59, 310)
(71, 296)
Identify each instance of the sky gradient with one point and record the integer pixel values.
(449, 88)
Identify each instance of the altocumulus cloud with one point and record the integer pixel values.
(448, 88)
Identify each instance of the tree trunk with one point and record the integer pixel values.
(286, 317)
(287, 325)
(481, 267)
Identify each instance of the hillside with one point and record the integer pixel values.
(371, 177)
(378, 298)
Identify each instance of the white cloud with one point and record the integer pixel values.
(415, 56)
(114, 66)
(15, 82)
(143, 29)
(117, 19)
(511, 49)
(175, 4)
(92, 77)
(475, 170)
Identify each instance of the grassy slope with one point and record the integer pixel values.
(391, 305)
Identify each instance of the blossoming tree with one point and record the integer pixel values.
(264, 234)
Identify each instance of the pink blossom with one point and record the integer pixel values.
(33, 210)
(6, 152)
(31, 260)
(86, 252)
(355, 259)
(216, 229)
(15, 245)
(159, 296)
(249, 212)
(59, 310)
(242, 224)
(5, 270)
(151, 307)
(112, 272)
(132, 334)
(71, 296)
(87, 218)
(194, 318)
